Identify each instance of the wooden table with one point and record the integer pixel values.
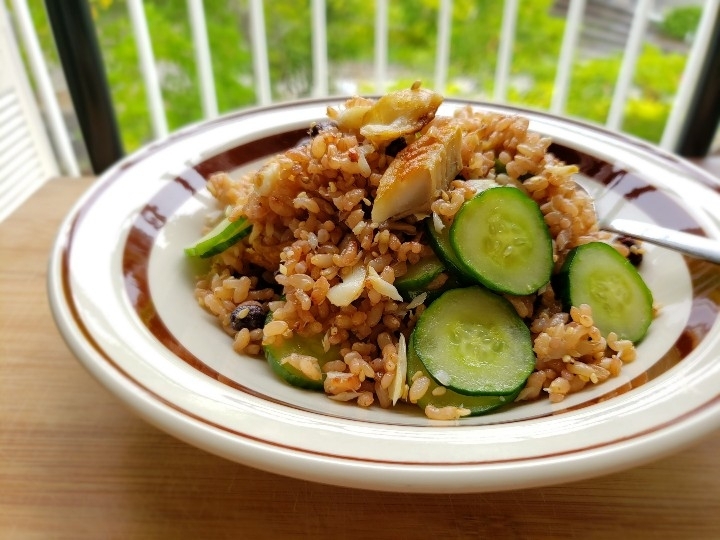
(75, 463)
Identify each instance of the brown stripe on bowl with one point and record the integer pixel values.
(632, 187)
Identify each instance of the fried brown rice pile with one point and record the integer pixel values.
(323, 267)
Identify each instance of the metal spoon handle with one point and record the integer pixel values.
(689, 244)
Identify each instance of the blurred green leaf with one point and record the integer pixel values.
(681, 22)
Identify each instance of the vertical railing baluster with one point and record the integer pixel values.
(442, 55)
(319, 48)
(198, 27)
(688, 89)
(58, 129)
(507, 40)
(573, 26)
(381, 45)
(148, 68)
(629, 62)
(261, 65)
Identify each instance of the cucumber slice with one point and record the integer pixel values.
(500, 238)
(477, 405)
(473, 342)
(418, 277)
(308, 346)
(219, 238)
(440, 242)
(597, 275)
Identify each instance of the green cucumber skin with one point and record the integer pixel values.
(311, 346)
(419, 276)
(570, 284)
(467, 236)
(432, 295)
(477, 405)
(410, 288)
(492, 340)
(217, 241)
(440, 243)
(291, 375)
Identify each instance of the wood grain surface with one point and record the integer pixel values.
(75, 463)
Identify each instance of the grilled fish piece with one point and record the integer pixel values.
(394, 115)
(400, 113)
(425, 166)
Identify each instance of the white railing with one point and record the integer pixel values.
(46, 92)
(196, 12)
(148, 68)
(573, 25)
(627, 69)
(320, 66)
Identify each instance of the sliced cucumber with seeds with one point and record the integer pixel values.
(279, 356)
(598, 275)
(439, 396)
(224, 235)
(501, 239)
(473, 342)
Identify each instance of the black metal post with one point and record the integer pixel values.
(79, 51)
(703, 117)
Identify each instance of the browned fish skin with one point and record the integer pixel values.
(400, 113)
(425, 166)
(394, 115)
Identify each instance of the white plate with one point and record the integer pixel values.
(122, 295)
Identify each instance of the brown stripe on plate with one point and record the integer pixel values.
(654, 202)
(67, 291)
(633, 188)
(245, 153)
(152, 218)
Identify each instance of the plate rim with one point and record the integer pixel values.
(388, 476)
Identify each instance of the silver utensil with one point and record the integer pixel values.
(699, 247)
(692, 245)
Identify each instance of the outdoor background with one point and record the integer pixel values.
(412, 45)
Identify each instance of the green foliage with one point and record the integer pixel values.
(175, 59)
(657, 79)
(412, 43)
(350, 31)
(290, 67)
(681, 22)
(228, 31)
(591, 87)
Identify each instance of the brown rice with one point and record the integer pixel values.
(312, 229)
